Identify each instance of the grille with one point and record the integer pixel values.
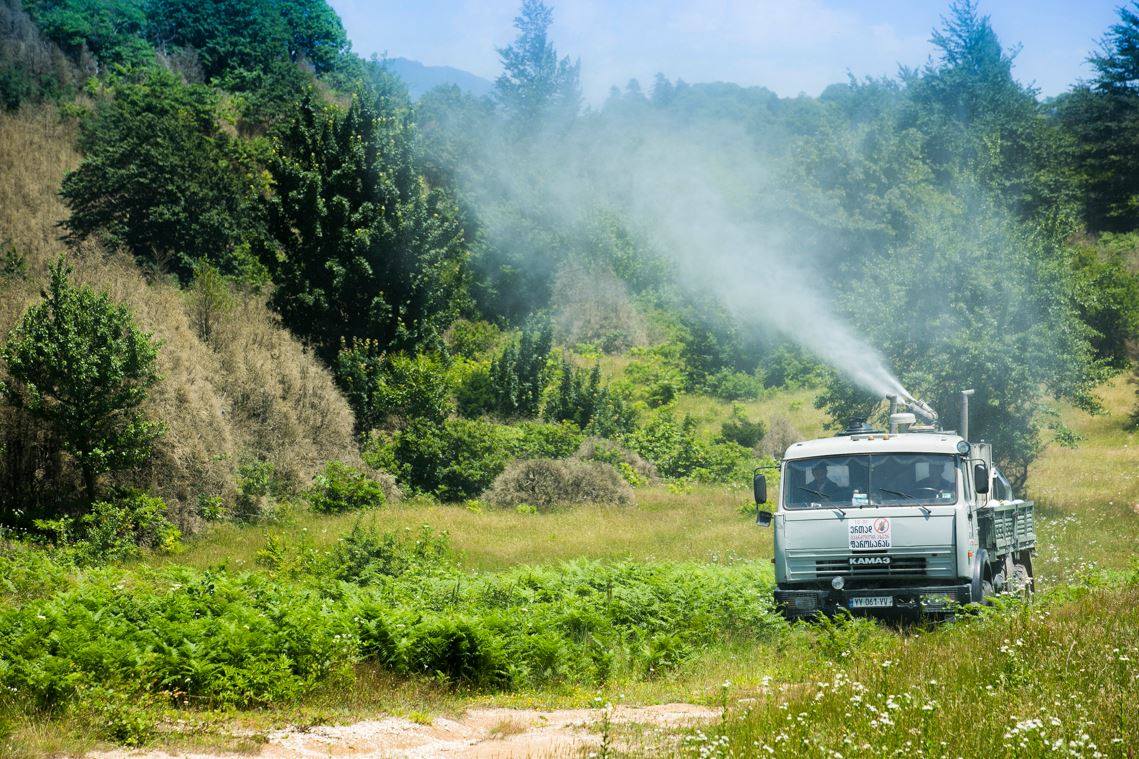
(899, 565)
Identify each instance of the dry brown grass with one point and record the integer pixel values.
(546, 483)
(252, 391)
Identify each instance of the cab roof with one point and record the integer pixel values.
(878, 442)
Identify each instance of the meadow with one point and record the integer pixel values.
(663, 601)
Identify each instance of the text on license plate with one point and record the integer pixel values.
(871, 602)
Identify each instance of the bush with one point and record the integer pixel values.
(472, 339)
(781, 433)
(677, 452)
(474, 389)
(518, 374)
(636, 469)
(457, 649)
(389, 390)
(538, 440)
(545, 483)
(730, 385)
(344, 488)
(453, 461)
(117, 530)
(739, 429)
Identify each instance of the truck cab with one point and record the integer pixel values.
(873, 522)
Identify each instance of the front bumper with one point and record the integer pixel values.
(928, 599)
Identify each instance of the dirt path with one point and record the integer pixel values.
(478, 734)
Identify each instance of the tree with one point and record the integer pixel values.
(977, 120)
(1103, 116)
(535, 86)
(160, 179)
(79, 364)
(518, 374)
(360, 245)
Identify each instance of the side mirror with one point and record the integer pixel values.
(759, 488)
(981, 478)
(763, 518)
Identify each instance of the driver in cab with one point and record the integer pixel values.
(940, 479)
(822, 485)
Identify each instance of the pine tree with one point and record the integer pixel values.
(362, 247)
(80, 365)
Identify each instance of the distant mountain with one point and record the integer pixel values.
(420, 78)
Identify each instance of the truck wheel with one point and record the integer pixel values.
(1021, 581)
(981, 588)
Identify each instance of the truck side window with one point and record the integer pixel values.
(1002, 490)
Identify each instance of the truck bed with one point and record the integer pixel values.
(1007, 527)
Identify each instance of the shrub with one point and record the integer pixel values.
(781, 433)
(254, 491)
(635, 468)
(536, 440)
(472, 339)
(389, 390)
(518, 374)
(459, 650)
(545, 483)
(452, 461)
(657, 375)
(739, 429)
(677, 452)
(343, 488)
(363, 556)
(731, 385)
(474, 389)
(117, 530)
(81, 366)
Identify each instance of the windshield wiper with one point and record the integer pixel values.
(809, 490)
(923, 507)
(896, 492)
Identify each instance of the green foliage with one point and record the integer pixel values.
(111, 30)
(453, 461)
(739, 429)
(535, 86)
(362, 247)
(580, 398)
(80, 366)
(1107, 294)
(536, 440)
(212, 637)
(117, 530)
(472, 339)
(656, 375)
(1103, 118)
(474, 388)
(730, 385)
(159, 178)
(32, 69)
(254, 491)
(676, 451)
(343, 488)
(518, 374)
(13, 263)
(457, 650)
(240, 42)
(388, 390)
(636, 469)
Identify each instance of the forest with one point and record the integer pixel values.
(251, 292)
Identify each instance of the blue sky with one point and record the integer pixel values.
(789, 46)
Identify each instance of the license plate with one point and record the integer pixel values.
(871, 602)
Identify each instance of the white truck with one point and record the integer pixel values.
(913, 521)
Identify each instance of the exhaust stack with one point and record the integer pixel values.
(965, 413)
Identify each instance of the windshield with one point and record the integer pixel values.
(870, 480)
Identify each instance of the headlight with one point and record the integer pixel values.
(963, 447)
(837, 583)
(937, 600)
(805, 603)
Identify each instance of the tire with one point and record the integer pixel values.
(981, 587)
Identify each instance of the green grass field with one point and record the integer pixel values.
(1013, 681)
